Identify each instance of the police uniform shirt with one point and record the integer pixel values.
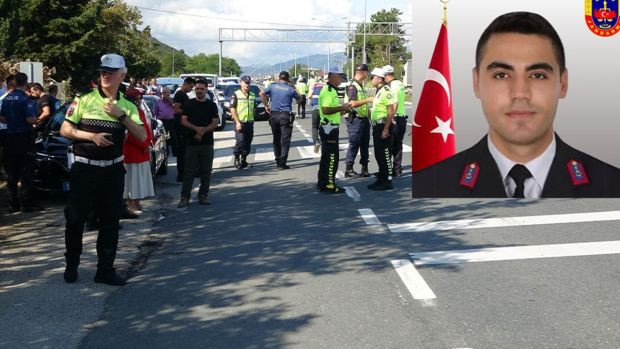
(234, 101)
(329, 98)
(86, 112)
(474, 173)
(398, 91)
(282, 95)
(16, 108)
(538, 167)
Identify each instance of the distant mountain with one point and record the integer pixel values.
(318, 61)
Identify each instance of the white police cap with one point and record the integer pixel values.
(112, 62)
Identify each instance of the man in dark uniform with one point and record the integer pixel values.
(358, 123)
(519, 77)
(178, 134)
(282, 94)
(19, 114)
(96, 122)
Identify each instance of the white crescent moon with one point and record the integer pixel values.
(436, 76)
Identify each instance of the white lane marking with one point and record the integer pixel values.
(409, 124)
(220, 162)
(304, 132)
(369, 217)
(264, 154)
(307, 152)
(504, 222)
(353, 193)
(406, 148)
(226, 144)
(516, 252)
(412, 279)
(223, 134)
(339, 174)
(345, 146)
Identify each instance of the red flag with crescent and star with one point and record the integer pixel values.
(433, 123)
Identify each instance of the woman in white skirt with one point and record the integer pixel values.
(138, 179)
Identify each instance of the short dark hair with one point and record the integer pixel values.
(21, 79)
(201, 81)
(189, 80)
(52, 89)
(522, 23)
(10, 79)
(37, 86)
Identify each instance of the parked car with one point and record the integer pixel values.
(172, 83)
(51, 172)
(259, 111)
(159, 151)
(220, 112)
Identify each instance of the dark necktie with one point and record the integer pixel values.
(519, 174)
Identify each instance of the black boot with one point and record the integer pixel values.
(381, 185)
(106, 274)
(350, 173)
(244, 162)
(71, 274)
(365, 171)
(237, 163)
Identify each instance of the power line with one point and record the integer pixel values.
(235, 19)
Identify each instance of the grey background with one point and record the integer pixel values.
(588, 118)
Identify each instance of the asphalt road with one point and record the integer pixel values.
(272, 263)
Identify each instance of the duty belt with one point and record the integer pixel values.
(401, 116)
(378, 122)
(99, 163)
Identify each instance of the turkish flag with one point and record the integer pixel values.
(433, 124)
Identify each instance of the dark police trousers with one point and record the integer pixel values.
(316, 116)
(198, 159)
(282, 129)
(329, 156)
(398, 132)
(243, 139)
(301, 107)
(19, 165)
(382, 152)
(178, 146)
(99, 189)
(359, 140)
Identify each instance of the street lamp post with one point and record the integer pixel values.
(364, 45)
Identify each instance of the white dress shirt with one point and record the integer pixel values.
(539, 168)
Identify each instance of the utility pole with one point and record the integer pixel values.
(220, 68)
(364, 45)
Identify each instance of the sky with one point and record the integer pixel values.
(199, 33)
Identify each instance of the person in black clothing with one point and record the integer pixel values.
(199, 120)
(519, 77)
(46, 105)
(177, 134)
(18, 113)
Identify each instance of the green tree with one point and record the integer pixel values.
(209, 64)
(302, 70)
(381, 50)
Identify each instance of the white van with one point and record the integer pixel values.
(212, 79)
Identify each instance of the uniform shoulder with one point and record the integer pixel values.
(440, 179)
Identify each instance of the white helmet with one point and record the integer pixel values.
(388, 69)
(378, 72)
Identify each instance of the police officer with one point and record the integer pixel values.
(358, 123)
(330, 111)
(96, 122)
(19, 114)
(381, 117)
(242, 108)
(302, 89)
(282, 94)
(400, 125)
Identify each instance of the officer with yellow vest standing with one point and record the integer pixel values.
(96, 122)
(358, 122)
(400, 125)
(302, 89)
(242, 110)
(381, 119)
(330, 111)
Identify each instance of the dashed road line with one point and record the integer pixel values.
(264, 154)
(414, 282)
(307, 152)
(369, 217)
(516, 252)
(505, 222)
(339, 174)
(353, 193)
(304, 132)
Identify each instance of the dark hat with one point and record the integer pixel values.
(246, 78)
(362, 67)
(284, 75)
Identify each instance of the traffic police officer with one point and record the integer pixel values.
(96, 122)
(381, 117)
(19, 114)
(400, 125)
(330, 111)
(302, 89)
(282, 94)
(242, 108)
(358, 123)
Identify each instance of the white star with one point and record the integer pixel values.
(443, 128)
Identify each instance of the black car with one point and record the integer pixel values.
(259, 108)
(51, 171)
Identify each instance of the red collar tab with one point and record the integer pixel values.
(577, 173)
(470, 175)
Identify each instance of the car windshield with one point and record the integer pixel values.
(230, 80)
(230, 90)
(58, 118)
